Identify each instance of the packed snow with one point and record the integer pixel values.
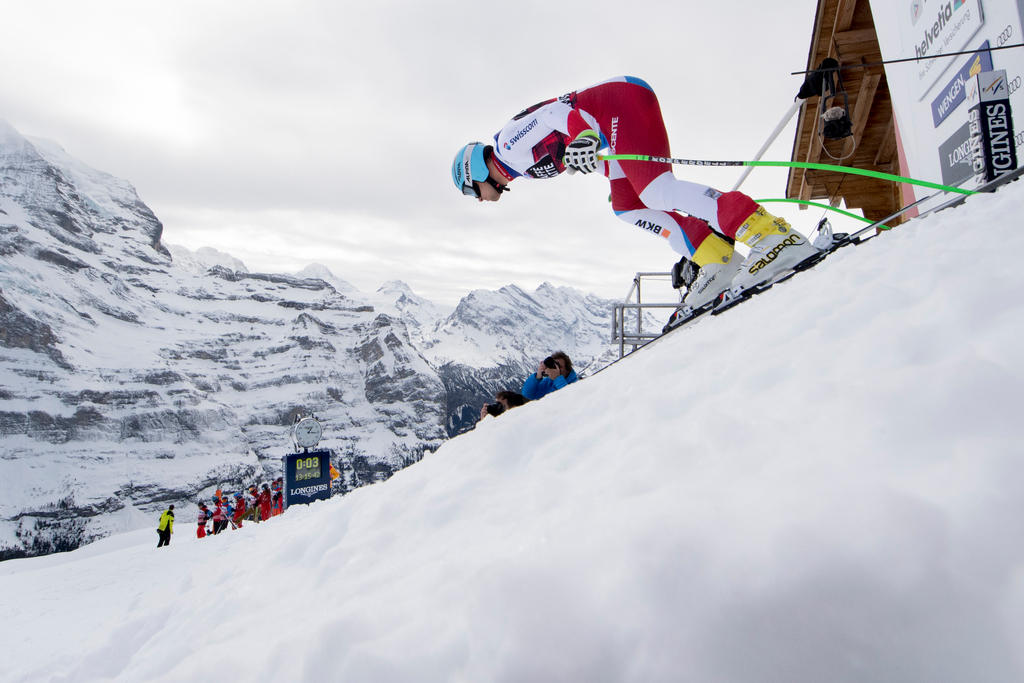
(824, 484)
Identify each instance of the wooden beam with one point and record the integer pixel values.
(862, 109)
(844, 14)
(860, 35)
(853, 46)
(887, 150)
(813, 151)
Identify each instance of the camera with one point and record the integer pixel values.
(549, 362)
(495, 409)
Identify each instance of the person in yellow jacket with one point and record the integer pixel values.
(166, 527)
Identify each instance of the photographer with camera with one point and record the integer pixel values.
(553, 373)
(505, 400)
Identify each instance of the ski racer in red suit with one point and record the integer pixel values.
(623, 115)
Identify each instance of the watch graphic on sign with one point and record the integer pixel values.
(307, 432)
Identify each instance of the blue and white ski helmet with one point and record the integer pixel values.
(469, 166)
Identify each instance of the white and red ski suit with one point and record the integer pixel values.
(625, 112)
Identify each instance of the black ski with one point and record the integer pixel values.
(730, 299)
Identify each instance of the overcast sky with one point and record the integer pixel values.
(288, 133)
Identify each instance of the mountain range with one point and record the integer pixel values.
(134, 373)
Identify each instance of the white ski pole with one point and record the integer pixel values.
(771, 138)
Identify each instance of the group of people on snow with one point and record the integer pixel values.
(256, 505)
(553, 373)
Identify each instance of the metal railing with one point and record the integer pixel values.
(636, 338)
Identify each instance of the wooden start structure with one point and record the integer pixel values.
(844, 30)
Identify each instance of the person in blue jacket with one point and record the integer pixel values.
(553, 373)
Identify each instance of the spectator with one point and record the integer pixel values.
(265, 503)
(219, 518)
(553, 373)
(166, 527)
(229, 512)
(504, 400)
(253, 504)
(277, 506)
(239, 510)
(204, 516)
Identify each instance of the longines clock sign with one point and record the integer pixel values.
(307, 474)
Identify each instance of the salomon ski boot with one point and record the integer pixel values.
(774, 249)
(718, 265)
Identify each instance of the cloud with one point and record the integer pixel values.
(263, 128)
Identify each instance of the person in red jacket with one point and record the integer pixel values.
(239, 510)
(265, 503)
(204, 517)
(220, 519)
(278, 504)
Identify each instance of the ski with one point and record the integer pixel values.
(826, 243)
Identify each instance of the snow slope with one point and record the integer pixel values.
(822, 485)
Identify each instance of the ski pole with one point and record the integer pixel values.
(771, 138)
(786, 164)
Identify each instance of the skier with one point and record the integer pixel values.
(623, 115)
(553, 373)
(204, 516)
(166, 527)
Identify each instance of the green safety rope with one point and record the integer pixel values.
(788, 164)
(823, 206)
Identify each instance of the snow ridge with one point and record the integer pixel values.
(823, 484)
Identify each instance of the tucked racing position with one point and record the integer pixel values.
(623, 116)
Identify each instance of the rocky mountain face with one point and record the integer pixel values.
(133, 375)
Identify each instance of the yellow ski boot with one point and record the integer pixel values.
(774, 248)
(718, 265)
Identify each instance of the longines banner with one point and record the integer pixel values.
(929, 91)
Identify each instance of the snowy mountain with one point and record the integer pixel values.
(205, 258)
(823, 484)
(133, 374)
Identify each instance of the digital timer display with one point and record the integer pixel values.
(307, 476)
(307, 468)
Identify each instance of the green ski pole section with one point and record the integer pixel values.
(790, 164)
(823, 206)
